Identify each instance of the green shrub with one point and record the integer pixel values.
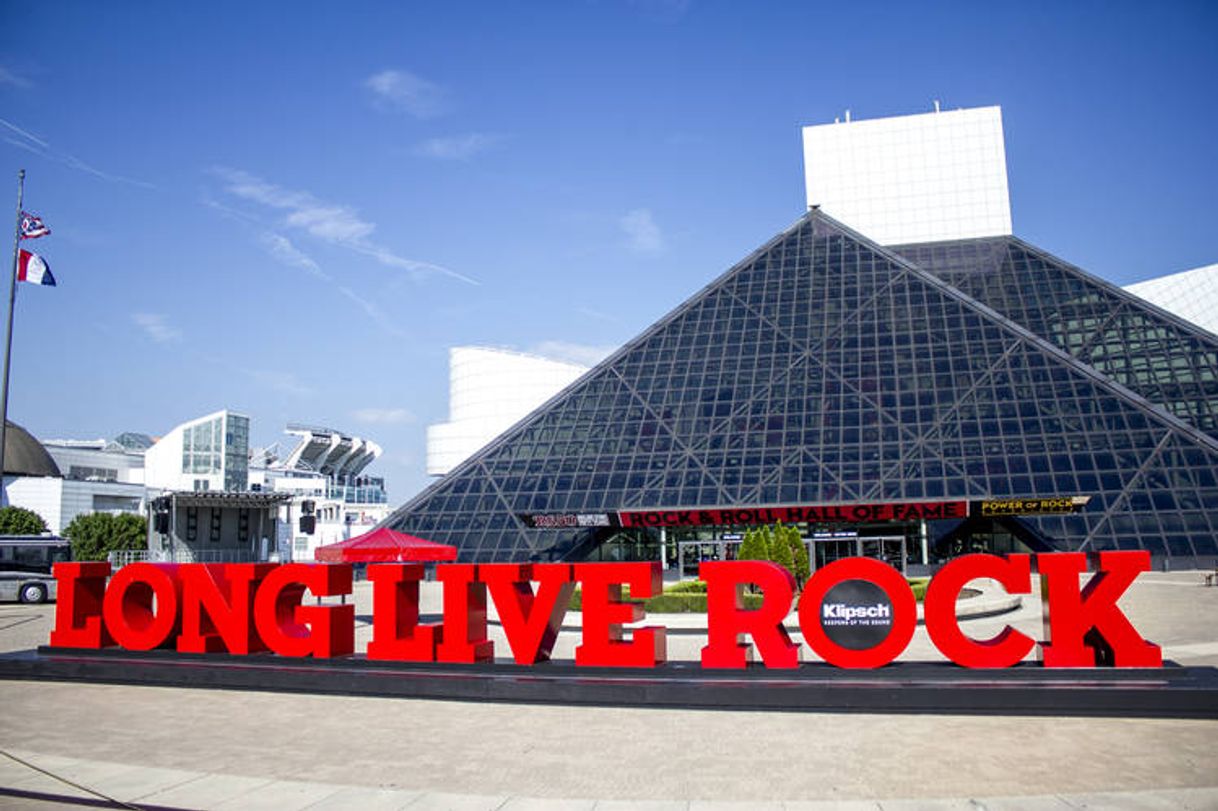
(919, 584)
(687, 597)
(687, 587)
(780, 547)
(96, 535)
(20, 521)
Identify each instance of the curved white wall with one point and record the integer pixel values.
(489, 391)
(1191, 294)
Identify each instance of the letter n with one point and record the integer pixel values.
(218, 607)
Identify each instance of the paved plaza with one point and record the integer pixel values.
(174, 748)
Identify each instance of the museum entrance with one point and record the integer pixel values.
(891, 549)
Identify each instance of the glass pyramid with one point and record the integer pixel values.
(824, 369)
(1167, 360)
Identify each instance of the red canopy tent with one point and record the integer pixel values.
(384, 545)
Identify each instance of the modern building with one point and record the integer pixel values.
(1191, 294)
(913, 178)
(489, 391)
(60, 479)
(208, 453)
(835, 384)
(331, 498)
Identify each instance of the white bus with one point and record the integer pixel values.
(25, 566)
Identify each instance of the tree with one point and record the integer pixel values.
(96, 535)
(780, 549)
(20, 521)
(802, 568)
(751, 547)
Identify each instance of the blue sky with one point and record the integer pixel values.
(293, 209)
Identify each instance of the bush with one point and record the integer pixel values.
(687, 587)
(96, 535)
(687, 597)
(780, 547)
(919, 584)
(20, 521)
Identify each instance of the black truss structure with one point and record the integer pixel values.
(824, 368)
(1166, 359)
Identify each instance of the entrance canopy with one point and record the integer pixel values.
(384, 545)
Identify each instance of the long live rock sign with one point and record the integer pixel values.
(854, 613)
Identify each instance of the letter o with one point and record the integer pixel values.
(131, 617)
(894, 586)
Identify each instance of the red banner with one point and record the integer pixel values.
(845, 513)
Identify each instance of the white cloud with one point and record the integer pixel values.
(406, 91)
(156, 327)
(383, 416)
(8, 77)
(32, 143)
(280, 381)
(285, 252)
(282, 249)
(373, 312)
(456, 147)
(582, 354)
(335, 224)
(642, 233)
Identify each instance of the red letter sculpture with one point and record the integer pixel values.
(1009, 647)
(530, 621)
(1087, 629)
(464, 638)
(291, 629)
(78, 606)
(141, 605)
(217, 607)
(604, 613)
(858, 613)
(728, 621)
(396, 632)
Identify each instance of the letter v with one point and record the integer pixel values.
(531, 622)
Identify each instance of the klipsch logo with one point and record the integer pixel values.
(856, 614)
(860, 614)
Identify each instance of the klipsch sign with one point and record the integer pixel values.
(856, 612)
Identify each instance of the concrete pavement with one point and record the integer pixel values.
(213, 749)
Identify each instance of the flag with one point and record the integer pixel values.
(33, 269)
(32, 226)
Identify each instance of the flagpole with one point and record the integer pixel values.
(8, 337)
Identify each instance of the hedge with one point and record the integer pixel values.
(684, 600)
(689, 597)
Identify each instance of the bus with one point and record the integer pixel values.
(25, 566)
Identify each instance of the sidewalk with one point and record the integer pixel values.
(207, 748)
(87, 781)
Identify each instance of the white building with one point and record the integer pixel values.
(332, 498)
(1190, 294)
(208, 453)
(912, 178)
(90, 476)
(489, 391)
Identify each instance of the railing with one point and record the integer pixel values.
(122, 557)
